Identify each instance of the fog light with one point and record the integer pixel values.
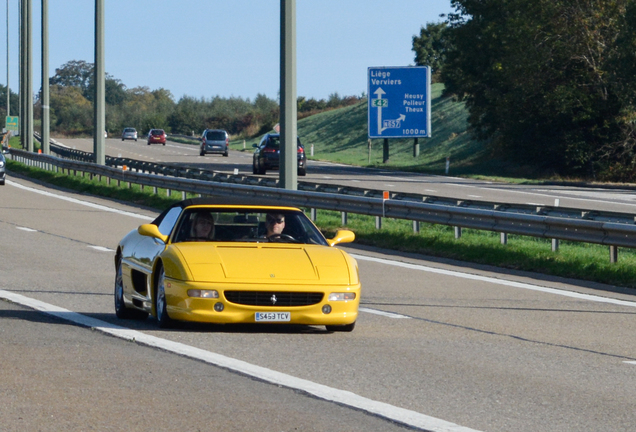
(343, 296)
(219, 307)
(203, 293)
(326, 309)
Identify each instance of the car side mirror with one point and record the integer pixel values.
(342, 236)
(255, 145)
(151, 230)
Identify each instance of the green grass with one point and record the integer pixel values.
(341, 135)
(573, 260)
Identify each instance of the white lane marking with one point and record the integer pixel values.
(101, 248)
(76, 201)
(630, 362)
(386, 314)
(342, 397)
(492, 280)
(26, 229)
(475, 196)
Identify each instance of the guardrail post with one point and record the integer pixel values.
(183, 195)
(344, 218)
(458, 232)
(314, 214)
(154, 190)
(613, 250)
(168, 192)
(555, 245)
(378, 222)
(416, 227)
(504, 238)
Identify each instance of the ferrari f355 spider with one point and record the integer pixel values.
(215, 263)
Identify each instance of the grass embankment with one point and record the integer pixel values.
(340, 136)
(573, 260)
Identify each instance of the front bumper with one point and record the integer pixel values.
(185, 308)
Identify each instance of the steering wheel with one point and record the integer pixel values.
(281, 237)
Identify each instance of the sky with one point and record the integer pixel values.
(230, 48)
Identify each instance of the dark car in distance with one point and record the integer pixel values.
(267, 155)
(157, 136)
(215, 141)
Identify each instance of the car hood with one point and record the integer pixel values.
(265, 263)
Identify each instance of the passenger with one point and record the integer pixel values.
(202, 227)
(275, 224)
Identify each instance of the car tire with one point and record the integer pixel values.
(161, 309)
(254, 170)
(135, 140)
(164, 143)
(341, 328)
(227, 153)
(148, 143)
(122, 139)
(202, 153)
(302, 172)
(1, 182)
(121, 310)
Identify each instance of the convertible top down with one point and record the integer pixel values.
(222, 262)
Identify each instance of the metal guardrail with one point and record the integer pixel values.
(614, 229)
(215, 176)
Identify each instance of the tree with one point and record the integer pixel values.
(537, 78)
(430, 47)
(78, 73)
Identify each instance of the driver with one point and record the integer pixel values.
(275, 224)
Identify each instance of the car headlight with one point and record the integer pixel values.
(203, 293)
(1, 164)
(342, 296)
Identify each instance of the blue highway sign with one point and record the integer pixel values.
(399, 102)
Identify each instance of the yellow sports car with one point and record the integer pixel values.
(218, 263)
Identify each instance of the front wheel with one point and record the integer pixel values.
(163, 319)
(302, 172)
(201, 153)
(341, 328)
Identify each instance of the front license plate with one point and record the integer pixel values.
(273, 316)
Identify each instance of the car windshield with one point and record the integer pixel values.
(215, 136)
(248, 225)
(157, 132)
(129, 130)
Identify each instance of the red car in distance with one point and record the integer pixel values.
(157, 136)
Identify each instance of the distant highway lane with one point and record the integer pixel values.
(439, 345)
(597, 198)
